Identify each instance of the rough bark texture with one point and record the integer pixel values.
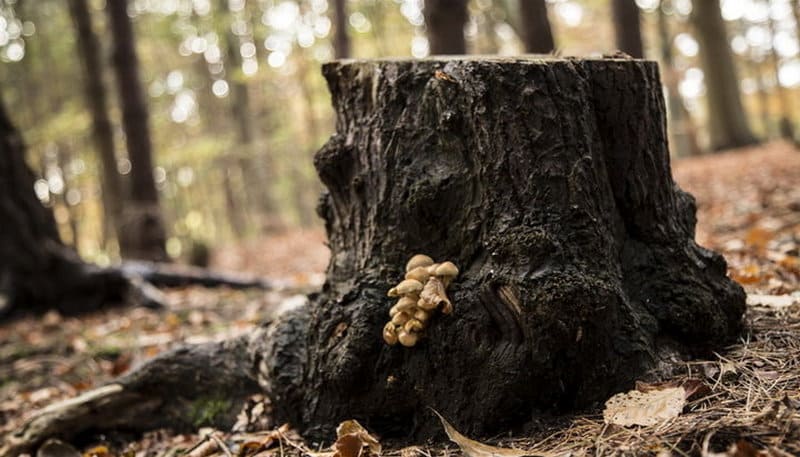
(727, 120)
(627, 27)
(537, 34)
(96, 99)
(548, 183)
(144, 234)
(341, 40)
(444, 22)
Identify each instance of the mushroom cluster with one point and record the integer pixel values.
(420, 294)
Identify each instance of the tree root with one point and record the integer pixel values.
(185, 388)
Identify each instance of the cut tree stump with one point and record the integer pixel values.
(547, 181)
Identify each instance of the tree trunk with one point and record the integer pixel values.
(786, 126)
(548, 183)
(36, 270)
(727, 120)
(627, 27)
(537, 34)
(682, 133)
(341, 40)
(144, 236)
(96, 100)
(445, 21)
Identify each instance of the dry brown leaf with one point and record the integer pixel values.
(645, 408)
(474, 448)
(352, 437)
(56, 448)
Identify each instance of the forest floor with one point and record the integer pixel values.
(749, 209)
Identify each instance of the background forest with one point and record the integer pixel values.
(236, 103)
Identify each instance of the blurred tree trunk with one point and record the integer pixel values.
(96, 101)
(341, 40)
(786, 126)
(36, 270)
(144, 235)
(445, 21)
(536, 31)
(627, 27)
(255, 173)
(727, 119)
(683, 137)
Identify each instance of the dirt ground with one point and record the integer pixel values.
(749, 209)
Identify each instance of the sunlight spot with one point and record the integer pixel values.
(42, 190)
(305, 37)
(160, 175)
(174, 247)
(73, 197)
(174, 81)
(686, 45)
(322, 26)
(570, 12)
(360, 22)
(15, 51)
(220, 88)
(732, 10)
(281, 16)
(212, 54)
(185, 176)
(276, 59)
(789, 74)
(250, 67)
(692, 84)
(199, 45)
(739, 45)
(123, 166)
(247, 50)
(419, 46)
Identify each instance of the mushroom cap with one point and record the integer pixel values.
(390, 334)
(422, 315)
(409, 286)
(400, 318)
(426, 305)
(407, 339)
(420, 274)
(413, 326)
(419, 260)
(406, 303)
(447, 270)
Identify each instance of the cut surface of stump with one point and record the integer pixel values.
(547, 183)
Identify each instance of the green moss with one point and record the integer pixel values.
(207, 410)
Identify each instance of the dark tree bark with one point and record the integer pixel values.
(627, 27)
(444, 22)
(537, 34)
(548, 183)
(144, 232)
(341, 39)
(96, 100)
(727, 121)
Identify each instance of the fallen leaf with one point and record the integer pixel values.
(644, 408)
(97, 451)
(474, 448)
(352, 437)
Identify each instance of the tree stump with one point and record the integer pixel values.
(548, 183)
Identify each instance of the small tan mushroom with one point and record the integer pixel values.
(407, 304)
(390, 334)
(407, 339)
(419, 260)
(426, 305)
(433, 292)
(422, 315)
(446, 270)
(420, 274)
(413, 326)
(400, 318)
(408, 287)
(432, 268)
